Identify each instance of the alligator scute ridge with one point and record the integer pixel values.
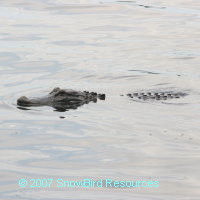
(65, 99)
(156, 95)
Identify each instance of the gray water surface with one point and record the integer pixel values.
(112, 47)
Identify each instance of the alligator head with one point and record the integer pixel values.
(62, 99)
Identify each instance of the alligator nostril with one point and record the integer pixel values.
(22, 100)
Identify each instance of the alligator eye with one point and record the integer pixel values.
(55, 90)
(61, 93)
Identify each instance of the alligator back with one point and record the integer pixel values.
(156, 95)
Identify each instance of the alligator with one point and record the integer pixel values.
(65, 99)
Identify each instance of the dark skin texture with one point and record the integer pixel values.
(156, 95)
(66, 99)
(61, 99)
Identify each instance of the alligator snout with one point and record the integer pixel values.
(23, 101)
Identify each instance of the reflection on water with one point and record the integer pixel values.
(111, 47)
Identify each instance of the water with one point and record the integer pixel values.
(112, 47)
